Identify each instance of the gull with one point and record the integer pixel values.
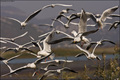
(99, 43)
(111, 15)
(65, 25)
(24, 23)
(36, 43)
(115, 25)
(53, 5)
(47, 47)
(19, 47)
(61, 14)
(88, 54)
(100, 21)
(32, 65)
(56, 72)
(88, 15)
(76, 38)
(13, 39)
(5, 61)
(45, 69)
(57, 61)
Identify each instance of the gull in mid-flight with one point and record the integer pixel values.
(100, 21)
(46, 47)
(24, 23)
(101, 42)
(76, 38)
(5, 61)
(19, 47)
(13, 39)
(88, 54)
(56, 72)
(32, 65)
(45, 69)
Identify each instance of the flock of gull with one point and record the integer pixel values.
(78, 38)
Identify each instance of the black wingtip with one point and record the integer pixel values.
(98, 58)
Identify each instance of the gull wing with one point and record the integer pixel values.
(15, 20)
(48, 62)
(51, 64)
(14, 57)
(86, 52)
(92, 16)
(46, 46)
(68, 69)
(83, 22)
(115, 24)
(20, 35)
(28, 50)
(44, 34)
(46, 25)
(12, 43)
(78, 55)
(89, 46)
(106, 40)
(107, 13)
(114, 15)
(57, 31)
(16, 70)
(9, 49)
(48, 73)
(32, 15)
(40, 60)
(89, 32)
(1, 41)
(53, 5)
(62, 5)
(60, 40)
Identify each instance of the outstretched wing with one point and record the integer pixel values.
(40, 60)
(15, 20)
(89, 32)
(107, 13)
(60, 40)
(106, 40)
(32, 15)
(21, 35)
(78, 55)
(68, 69)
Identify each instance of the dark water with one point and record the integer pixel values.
(68, 58)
